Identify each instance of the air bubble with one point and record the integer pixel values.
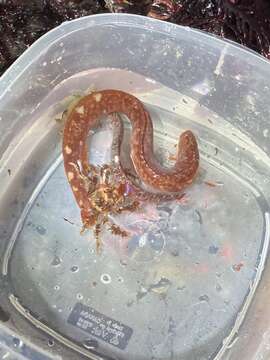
(74, 268)
(79, 296)
(50, 343)
(41, 230)
(56, 261)
(17, 343)
(204, 298)
(106, 278)
(123, 262)
(90, 344)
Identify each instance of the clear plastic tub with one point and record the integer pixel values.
(189, 282)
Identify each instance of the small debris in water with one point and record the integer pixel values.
(213, 249)
(184, 101)
(199, 216)
(237, 267)
(204, 298)
(70, 222)
(9, 172)
(161, 286)
(172, 157)
(210, 183)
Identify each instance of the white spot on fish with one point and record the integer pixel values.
(98, 97)
(68, 150)
(70, 175)
(80, 110)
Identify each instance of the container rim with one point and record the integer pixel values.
(67, 27)
(136, 21)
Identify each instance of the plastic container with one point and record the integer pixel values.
(189, 282)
